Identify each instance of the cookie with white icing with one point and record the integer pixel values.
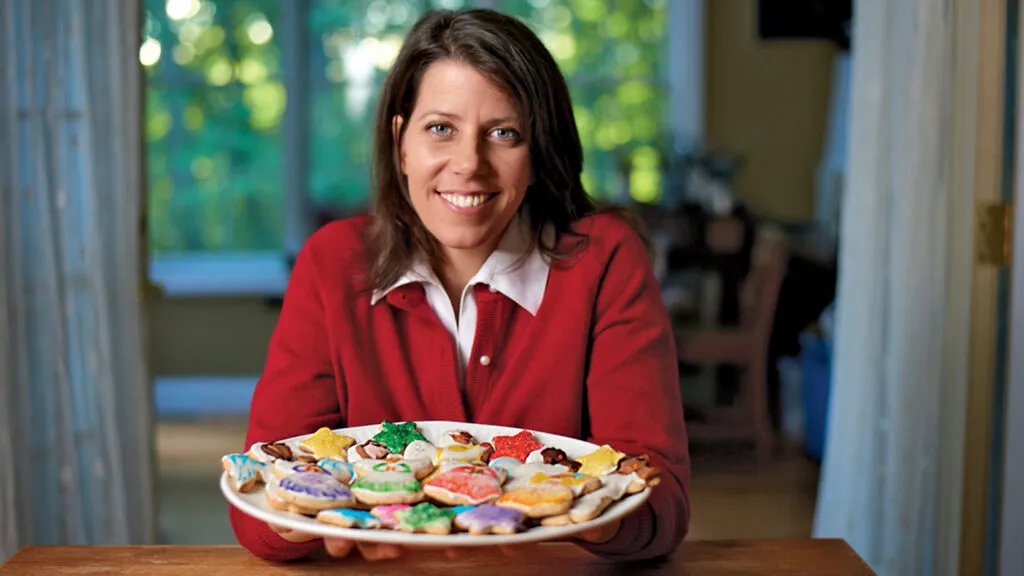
(308, 493)
(342, 471)
(580, 484)
(350, 518)
(388, 483)
(268, 452)
(465, 485)
(244, 473)
(457, 437)
(538, 500)
(420, 467)
(368, 450)
(282, 468)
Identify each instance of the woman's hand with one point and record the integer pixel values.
(340, 547)
(294, 536)
(599, 535)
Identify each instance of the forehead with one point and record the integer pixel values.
(459, 89)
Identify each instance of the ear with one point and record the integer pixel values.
(396, 134)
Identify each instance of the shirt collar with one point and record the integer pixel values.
(521, 279)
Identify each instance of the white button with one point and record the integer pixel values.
(485, 360)
(492, 289)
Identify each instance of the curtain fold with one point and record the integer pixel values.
(75, 419)
(879, 481)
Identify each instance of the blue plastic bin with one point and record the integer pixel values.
(816, 366)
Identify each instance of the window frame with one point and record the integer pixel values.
(265, 274)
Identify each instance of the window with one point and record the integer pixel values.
(237, 179)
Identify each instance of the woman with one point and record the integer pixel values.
(485, 287)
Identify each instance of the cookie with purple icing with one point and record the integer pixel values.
(490, 519)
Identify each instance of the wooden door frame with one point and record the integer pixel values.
(979, 92)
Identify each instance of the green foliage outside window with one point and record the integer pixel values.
(215, 102)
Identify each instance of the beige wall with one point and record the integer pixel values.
(222, 336)
(768, 102)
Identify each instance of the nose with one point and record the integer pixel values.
(468, 157)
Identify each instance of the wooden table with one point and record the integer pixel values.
(791, 557)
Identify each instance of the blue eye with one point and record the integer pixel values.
(439, 129)
(506, 133)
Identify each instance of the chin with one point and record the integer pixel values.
(463, 241)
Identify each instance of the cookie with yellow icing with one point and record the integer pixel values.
(325, 443)
(604, 460)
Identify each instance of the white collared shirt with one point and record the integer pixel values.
(521, 280)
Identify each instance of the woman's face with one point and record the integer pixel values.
(466, 158)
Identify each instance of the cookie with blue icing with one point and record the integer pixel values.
(244, 473)
(342, 471)
(349, 518)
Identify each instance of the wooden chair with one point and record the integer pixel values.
(744, 346)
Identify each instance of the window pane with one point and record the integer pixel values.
(214, 103)
(612, 54)
(354, 45)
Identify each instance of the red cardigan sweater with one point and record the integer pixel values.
(597, 362)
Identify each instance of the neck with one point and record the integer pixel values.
(458, 269)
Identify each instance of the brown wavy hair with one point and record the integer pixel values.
(510, 55)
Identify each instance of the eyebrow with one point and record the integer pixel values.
(452, 116)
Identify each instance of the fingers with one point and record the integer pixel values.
(338, 547)
(290, 535)
(374, 552)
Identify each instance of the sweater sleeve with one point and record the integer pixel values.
(634, 400)
(296, 394)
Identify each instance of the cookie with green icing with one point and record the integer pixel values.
(388, 483)
(425, 517)
(395, 437)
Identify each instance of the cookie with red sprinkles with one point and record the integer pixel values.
(519, 446)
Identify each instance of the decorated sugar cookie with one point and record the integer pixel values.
(420, 467)
(520, 475)
(388, 483)
(282, 468)
(467, 452)
(324, 443)
(604, 460)
(456, 437)
(267, 452)
(489, 519)
(418, 449)
(349, 518)
(580, 484)
(243, 472)
(508, 464)
(342, 471)
(538, 500)
(425, 517)
(552, 456)
(591, 506)
(395, 437)
(464, 486)
(308, 493)
(519, 446)
(386, 513)
(641, 466)
(368, 450)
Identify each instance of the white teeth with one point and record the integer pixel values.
(465, 200)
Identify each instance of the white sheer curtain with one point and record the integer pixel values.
(75, 416)
(880, 480)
